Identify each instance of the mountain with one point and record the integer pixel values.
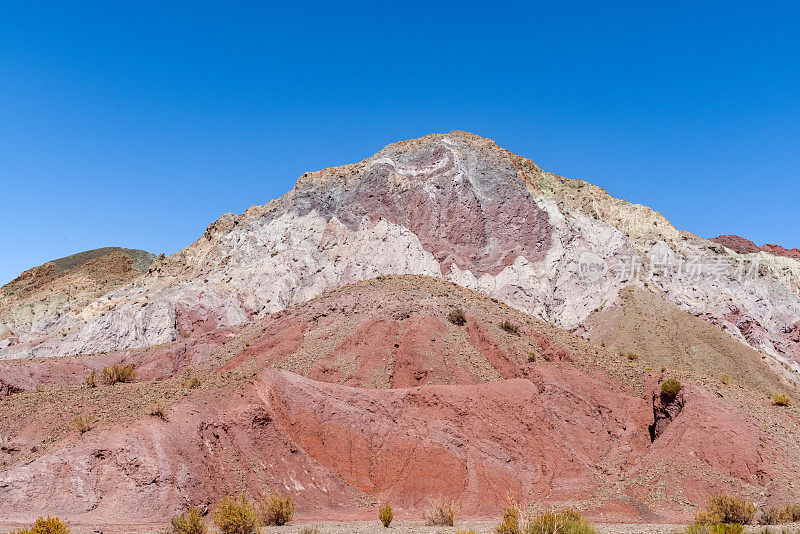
(35, 300)
(443, 320)
(454, 206)
(375, 393)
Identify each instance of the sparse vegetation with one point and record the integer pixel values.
(385, 514)
(509, 523)
(721, 528)
(457, 317)
(51, 525)
(781, 399)
(670, 389)
(192, 382)
(237, 515)
(118, 373)
(441, 515)
(276, 508)
(91, 379)
(565, 522)
(189, 522)
(157, 409)
(82, 423)
(724, 508)
(775, 516)
(510, 327)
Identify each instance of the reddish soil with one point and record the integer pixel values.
(745, 246)
(369, 394)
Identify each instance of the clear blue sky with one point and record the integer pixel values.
(139, 124)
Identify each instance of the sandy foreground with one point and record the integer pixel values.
(409, 527)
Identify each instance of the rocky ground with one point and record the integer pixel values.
(413, 527)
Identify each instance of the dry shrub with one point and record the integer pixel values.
(311, 530)
(82, 423)
(91, 379)
(441, 515)
(118, 373)
(725, 379)
(794, 512)
(189, 522)
(192, 382)
(509, 524)
(457, 317)
(237, 515)
(157, 409)
(632, 356)
(510, 327)
(276, 508)
(721, 528)
(386, 515)
(564, 522)
(51, 525)
(781, 399)
(724, 508)
(670, 389)
(464, 531)
(775, 516)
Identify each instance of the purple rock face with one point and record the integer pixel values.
(469, 209)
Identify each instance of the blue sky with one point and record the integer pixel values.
(138, 124)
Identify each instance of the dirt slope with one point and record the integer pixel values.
(369, 393)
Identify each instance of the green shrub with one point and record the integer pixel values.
(441, 515)
(781, 399)
(386, 515)
(237, 515)
(670, 389)
(189, 522)
(510, 327)
(276, 508)
(457, 317)
(118, 373)
(51, 525)
(724, 508)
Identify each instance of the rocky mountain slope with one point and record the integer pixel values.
(32, 302)
(745, 246)
(311, 345)
(454, 206)
(371, 393)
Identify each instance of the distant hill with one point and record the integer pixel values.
(43, 293)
